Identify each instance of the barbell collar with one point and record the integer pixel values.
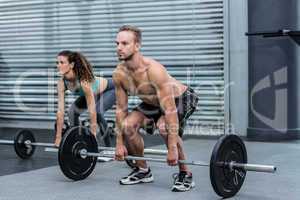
(253, 167)
(29, 143)
(100, 158)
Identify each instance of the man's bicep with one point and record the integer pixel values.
(121, 95)
(166, 99)
(121, 99)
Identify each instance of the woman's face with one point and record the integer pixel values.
(63, 65)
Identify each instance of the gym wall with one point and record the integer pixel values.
(186, 36)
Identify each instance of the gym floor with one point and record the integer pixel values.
(40, 177)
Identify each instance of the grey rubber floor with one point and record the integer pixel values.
(50, 184)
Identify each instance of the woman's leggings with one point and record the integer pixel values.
(104, 101)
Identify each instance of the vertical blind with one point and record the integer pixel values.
(186, 36)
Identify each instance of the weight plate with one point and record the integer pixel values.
(225, 181)
(22, 150)
(71, 163)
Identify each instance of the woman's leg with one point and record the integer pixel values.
(75, 110)
(104, 102)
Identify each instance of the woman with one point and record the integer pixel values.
(96, 94)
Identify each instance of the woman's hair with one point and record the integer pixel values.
(82, 67)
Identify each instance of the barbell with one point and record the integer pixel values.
(148, 128)
(25, 143)
(78, 152)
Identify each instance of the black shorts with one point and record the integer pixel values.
(186, 104)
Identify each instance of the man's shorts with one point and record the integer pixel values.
(186, 104)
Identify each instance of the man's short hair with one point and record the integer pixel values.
(135, 30)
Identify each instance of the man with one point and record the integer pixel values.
(165, 101)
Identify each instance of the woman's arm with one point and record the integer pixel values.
(102, 84)
(60, 111)
(90, 101)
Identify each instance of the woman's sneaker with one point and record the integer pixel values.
(137, 176)
(182, 182)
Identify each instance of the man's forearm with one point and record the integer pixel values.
(172, 127)
(172, 124)
(119, 128)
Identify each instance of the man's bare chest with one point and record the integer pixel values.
(140, 85)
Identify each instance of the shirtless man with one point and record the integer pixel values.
(165, 101)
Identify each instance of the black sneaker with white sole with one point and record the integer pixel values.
(182, 182)
(137, 176)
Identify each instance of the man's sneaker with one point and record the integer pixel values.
(137, 176)
(182, 182)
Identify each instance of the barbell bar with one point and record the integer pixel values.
(78, 153)
(6, 142)
(27, 143)
(53, 148)
(24, 144)
(232, 165)
(146, 151)
(106, 151)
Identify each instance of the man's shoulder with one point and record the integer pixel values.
(119, 73)
(151, 62)
(155, 68)
(121, 68)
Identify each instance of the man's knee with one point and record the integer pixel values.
(130, 128)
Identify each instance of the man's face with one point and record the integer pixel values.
(126, 45)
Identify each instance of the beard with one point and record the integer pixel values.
(127, 58)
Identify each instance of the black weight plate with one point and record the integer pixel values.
(22, 150)
(71, 164)
(225, 181)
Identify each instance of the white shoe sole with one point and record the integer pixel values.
(182, 188)
(144, 180)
